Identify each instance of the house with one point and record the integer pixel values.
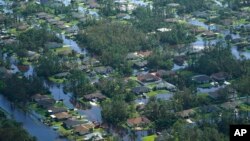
(81, 130)
(208, 34)
(209, 109)
(43, 100)
(96, 95)
(39, 97)
(41, 1)
(186, 113)
(132, 56)
(179, 60)
(93, 4)
(53, 45)
(2, 18)
(78, 15)
(200, 14)
(201, 79)
(214, 95)
(103, 70)
(230, 105)
(96, 136)
(148, 78)
(231, 93)
(219, 77)
(45, 103)
(61, 116)
(173, 4)
(61, 75)
(55, 110)
(22, 27)
(163, 73)
(23, 68)
(53, 21)
(145, 53)
(140, 64)
(71, 123)
(41, 15)
(61, 26)
(165, 85)
(140, 90)
(84, 129)
(138, 122)
(73, 29)
(171, 20)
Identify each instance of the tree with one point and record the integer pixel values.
(79, 84)
(20, 89)
(184, 99)
(112, 41)
(115, 112)
(49, 64)
(17, 132)
(159, 111)
(218, 59)
(160, 60)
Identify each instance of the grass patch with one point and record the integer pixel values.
(244, 107)
(40, 111)
(149, 138)
(56, 80)
(151, 85)
(59, 104)
(239, 22)
(62, 49)
(154, 93)
(133, 78)
(206, 85)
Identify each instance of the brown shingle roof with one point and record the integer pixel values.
(62, 115)
(138, 120)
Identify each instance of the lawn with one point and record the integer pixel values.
(63, 50)
(244, 107)
(154, 93)
(151, 85)
(40, 111)
(149, 138)
(55, 80)
(133, 78)
(206, 85)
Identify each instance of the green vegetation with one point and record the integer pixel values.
(17, 132)
(130, 40)
(154, 93)
(149, 138)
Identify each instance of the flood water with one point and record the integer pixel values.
(30, 122)
(200, 43)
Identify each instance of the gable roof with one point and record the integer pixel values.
(62, 115)
(55, 110)
(96, 95)
(69, 123)
(141, 64)
(161, 73)
(220, 76)
(201, 78)
(40, 96)
(138, 120)
(148, 78)
(84, 128)
(140, 90)
(103, 70)
(186, 113)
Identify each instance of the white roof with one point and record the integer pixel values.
(53, 116)
(189, 121)
(164, 29)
